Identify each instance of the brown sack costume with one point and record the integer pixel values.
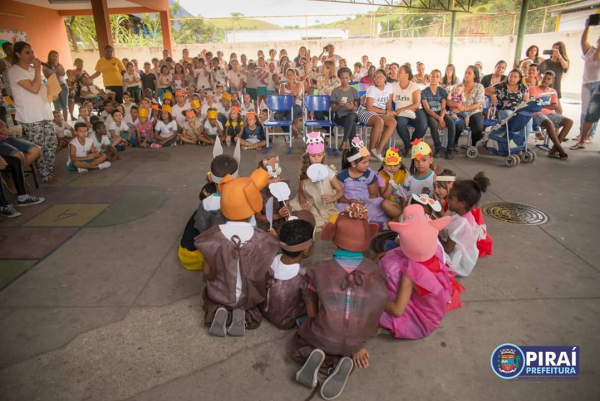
(331, 330)
(240, 199)
(285, 300)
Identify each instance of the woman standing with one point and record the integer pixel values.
(558, 63)
(473, 105)
(32, 108)
(533, 55)
(302, 52)
(377, 113)
(111, 69)
(61, 103)
(407, 98)
(73, 77)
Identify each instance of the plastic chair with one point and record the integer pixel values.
(319, 103)
(279, 103)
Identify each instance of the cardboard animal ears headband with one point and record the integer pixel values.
(362, 150)
(237, 155)
(315, 144)
(392, 157)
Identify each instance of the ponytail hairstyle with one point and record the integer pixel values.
(469, 191)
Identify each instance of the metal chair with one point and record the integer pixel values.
(322, 104)
(279, 103)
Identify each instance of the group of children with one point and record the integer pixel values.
(250, 242)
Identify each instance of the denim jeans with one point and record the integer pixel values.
(586, 96)
(419, 123)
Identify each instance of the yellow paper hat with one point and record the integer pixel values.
(212, 114)
(392, 157)
(167, 108)
(419, 149)
(226, 96)
(168, 95)
(241, 197)
(196, 104)
(143, 113)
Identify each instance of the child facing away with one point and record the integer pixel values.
(165, 132)
(236, 258)
(63, 131)
(344, 299)
(360, 182)
(287, 280)
(317, 197)
(253, 134)
(463, 232)
(234, 125)
(83, 156)
(102, 142)
(421, 287)
(208, 213)
(390, 178)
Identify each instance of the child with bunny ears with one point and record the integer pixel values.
(317, 197)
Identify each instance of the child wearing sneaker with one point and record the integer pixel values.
(23, 199)
(236, 258)
(83, 156)
(344, 300)
(101, 141)
(287, 280)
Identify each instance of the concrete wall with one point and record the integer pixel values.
(432, 51)
(44, 27)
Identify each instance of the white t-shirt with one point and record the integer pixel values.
(219, 76)
(281, 271)
(130, 77)
(178, 113)
(205, 107)
(235, 77)
(404, 97)
(380, 97)
(30, 107)
(202, 81)
(166, 130)
(62, 130)
(129, 121)
(335, 58)
(245, 109)
(127, 108)
(591, 67)
(212, 130)
(104, 141)
(80, 150)
(418, 186)
(118, 130)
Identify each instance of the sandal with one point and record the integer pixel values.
(577, 146)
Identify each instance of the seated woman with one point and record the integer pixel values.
(509, 94)
(407, 99)
(450, 79)
(472, 106)
(497, 77)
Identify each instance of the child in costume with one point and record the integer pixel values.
(236, 258)
(463, 232)
(208, 213)
(392, 175)
(422, 176)
(317, 197)
(421, 287)
(442, 185)
(360, 182)
(287, 280)
(344, 300)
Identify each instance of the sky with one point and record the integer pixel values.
(297, 8)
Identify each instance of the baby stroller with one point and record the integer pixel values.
(506, 139)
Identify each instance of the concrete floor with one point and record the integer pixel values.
(107, 313)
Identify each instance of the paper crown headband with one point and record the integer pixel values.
(179, 93)
(212, 114)
(237, 155)
(392, 157)
(251, 114)
(155, 107)
(168, 95)
(445, 178)
(236, 109)
(190, 113)
(196, 104)
(167, 108)
(143, 113)
(362, 150)
(315, 144)
(226, 96)
(419, 149)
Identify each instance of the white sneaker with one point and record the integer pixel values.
(378, 156)
(82, 170)
(104, 165)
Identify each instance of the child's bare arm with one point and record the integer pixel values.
(448, 245)
(399, 305)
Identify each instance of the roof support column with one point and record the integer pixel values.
(452, 29)
(102, 22)
(165, 26)
(521, 32)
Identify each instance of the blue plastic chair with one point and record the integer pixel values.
(318, 103)
(278, 103)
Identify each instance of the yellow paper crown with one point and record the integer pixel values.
(196, 104)
(143, 113)
(226, 96)
(168, 95)
(212, 114)
(167, 108)
(392, 157)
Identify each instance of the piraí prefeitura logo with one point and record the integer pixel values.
(529, 362)
(508, 361)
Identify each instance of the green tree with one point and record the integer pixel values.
(194, 30)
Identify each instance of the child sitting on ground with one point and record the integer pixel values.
(83, 156)
(233, 126)
(192, 131)
(344, 300)
(236, 258)
(213, 127)
(247, 105)
(106, 113)
(463, 232)
(208, 213)
(441, 186)
(253, 135)
(118, 130)
(317, 197)
(360, 182)
(102, 142)
(143, 130)
(84, 117)
(127, 104)
(421, 287)
(287, 280)
(165, 132)
(422, 175)
(392, 175)
(63, 131)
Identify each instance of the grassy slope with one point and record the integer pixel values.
(242, 23)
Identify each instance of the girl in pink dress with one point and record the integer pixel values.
(420, 284)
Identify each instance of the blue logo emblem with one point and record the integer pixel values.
(534, 362)
(508, 361)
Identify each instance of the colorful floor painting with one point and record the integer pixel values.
(42, 229)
